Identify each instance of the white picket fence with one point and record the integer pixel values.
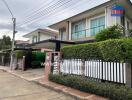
(108, 71)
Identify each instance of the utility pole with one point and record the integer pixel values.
(14, 32)
(13, 42)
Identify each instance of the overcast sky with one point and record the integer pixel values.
(25, 11)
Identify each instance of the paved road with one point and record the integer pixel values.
(14, 88)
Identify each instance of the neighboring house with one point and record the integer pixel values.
(41, 35)
(21, 44)
(86, 25)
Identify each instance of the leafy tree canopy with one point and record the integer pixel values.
(5, 42)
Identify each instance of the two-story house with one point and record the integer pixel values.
(84, 26)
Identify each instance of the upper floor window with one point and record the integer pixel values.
(78, 29)
(34, 39)
(97, 25)
(63, 35)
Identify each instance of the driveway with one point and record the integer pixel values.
(15, 88)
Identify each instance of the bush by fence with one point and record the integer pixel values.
(5, 58)
(112, 91)
(20, 53)
(112, 32)
(37, 58)
(109, 50)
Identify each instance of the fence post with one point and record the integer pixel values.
(2, 58)
(83, 67)
(102, 80)
(128, 74)
(23, 64)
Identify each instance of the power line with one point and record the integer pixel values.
(8, 8)
(71, 9)
(45, 10)
(31, 21)
(40, 8)
(48, 12)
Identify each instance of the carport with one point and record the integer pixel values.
(52, 44)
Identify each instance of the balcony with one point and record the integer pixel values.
(91, 32)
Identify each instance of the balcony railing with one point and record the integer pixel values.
(87, 32)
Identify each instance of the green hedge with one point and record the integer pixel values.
(36, 63)
(83, 51)
(109, 90)
(37, 58)
(20, 53)
(109, 50)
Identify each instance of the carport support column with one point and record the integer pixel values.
(58, 46)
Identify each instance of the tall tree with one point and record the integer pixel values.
(5, 43)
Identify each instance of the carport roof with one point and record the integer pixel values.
(52, 43)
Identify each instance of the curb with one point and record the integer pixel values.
(77, 97)
(58, 90)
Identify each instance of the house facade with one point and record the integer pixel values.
(82, 27)
(41, 35)
(86, 25)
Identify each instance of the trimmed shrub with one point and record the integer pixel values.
(109, 50)
(113, 32)
(83, 51)
(127, 48)
(37, 58)
(112, 50)
(36, 64)
(109, 90)
(20, 53)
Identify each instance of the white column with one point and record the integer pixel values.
(106, 17)
(69, 31)
(110, 20)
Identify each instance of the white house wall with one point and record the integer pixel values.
(110, 20)
(45, 37)
(42, 37)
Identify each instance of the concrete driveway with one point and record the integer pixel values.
(15, 88)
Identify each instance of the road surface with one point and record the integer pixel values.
(15, 88)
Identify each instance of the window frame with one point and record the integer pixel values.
(34, 38)
(77, 23)
(94, 18)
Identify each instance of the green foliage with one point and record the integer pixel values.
(36, 63)
(37, 58)
(109, 50)
(113, 32)
(127, 48)
(130, 30)
(5, 43)
(20, 53)
(112, 50)
(112, 91)
(83, 51)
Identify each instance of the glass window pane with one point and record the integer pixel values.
(97, 25)
(78, 29)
